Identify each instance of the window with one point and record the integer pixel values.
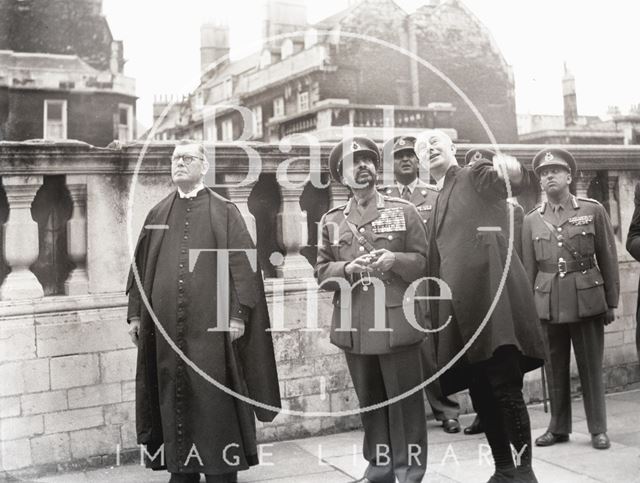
(55, 119)
(278, 107)
(228, 89)
(125, 123)
(257, 121)
(303, 101)
(227, 130)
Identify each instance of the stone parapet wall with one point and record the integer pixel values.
(67, 364)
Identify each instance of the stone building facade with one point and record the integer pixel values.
(430, 65)
(61, 74)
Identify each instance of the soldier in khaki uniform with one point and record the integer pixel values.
(569, 253)
(410, 187)
(372, 249)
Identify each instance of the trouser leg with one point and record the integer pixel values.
(407, 424)
(443, 407)
(557, 339)
(369, 386)
(487, 408)
(223, 478)
(506, 380)
(588, 345)
(184, 478)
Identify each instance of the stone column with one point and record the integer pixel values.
(292, 229)
(338, 194)
(78, 281)
(21, 246)
(614, 206)
(240, 196)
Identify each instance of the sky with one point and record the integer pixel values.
(162, 45)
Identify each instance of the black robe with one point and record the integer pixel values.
(170, 396)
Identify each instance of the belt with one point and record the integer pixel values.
(567, 266)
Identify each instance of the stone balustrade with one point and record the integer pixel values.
(66, 361)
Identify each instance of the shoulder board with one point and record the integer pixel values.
(396, 200)
(537, 207)
(336, 209)
(589, 200)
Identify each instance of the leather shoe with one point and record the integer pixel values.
(451, 426)
(600, 441)
(503, 476)
(475, 427)
(549, 439)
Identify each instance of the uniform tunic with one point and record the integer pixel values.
(186, 304)
(387, 363)
(572, 305)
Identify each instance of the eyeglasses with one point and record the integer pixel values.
(186, 159)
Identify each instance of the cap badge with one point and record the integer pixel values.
(355, 146)
(548, 156)
(477, 156)
(402, 142)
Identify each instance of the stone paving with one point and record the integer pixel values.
(452, 458)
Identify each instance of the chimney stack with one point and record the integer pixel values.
(570, 98)
(214, 44)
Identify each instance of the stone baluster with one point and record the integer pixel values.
(292, 229)
(338, 194)
(21, 245)
(240, 196)
(614, 206)
(78, 281)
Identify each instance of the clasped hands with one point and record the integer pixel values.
(381, 260)
(236, 327)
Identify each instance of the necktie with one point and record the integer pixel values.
(406, 194)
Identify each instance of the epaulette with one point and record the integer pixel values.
(336, 208)
(399, 200)
(590, 200)
(536, 208)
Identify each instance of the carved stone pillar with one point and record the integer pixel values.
(240, 196)
(614, 206)
(78, 281)
(338, 194)
(292, 230)
(21, 246)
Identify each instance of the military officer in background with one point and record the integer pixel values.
(410, 187)
(569, 253)
(372, 249)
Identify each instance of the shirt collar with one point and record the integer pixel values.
(411, 186)
(565, 205)
(193, 193)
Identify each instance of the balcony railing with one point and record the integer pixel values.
(326, 121)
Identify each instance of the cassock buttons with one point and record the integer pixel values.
(560, 244)
(186, 236)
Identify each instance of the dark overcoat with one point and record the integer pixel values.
(253, 356)
(633, 247)
(468, 249)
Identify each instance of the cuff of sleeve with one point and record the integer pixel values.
(241, 312)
